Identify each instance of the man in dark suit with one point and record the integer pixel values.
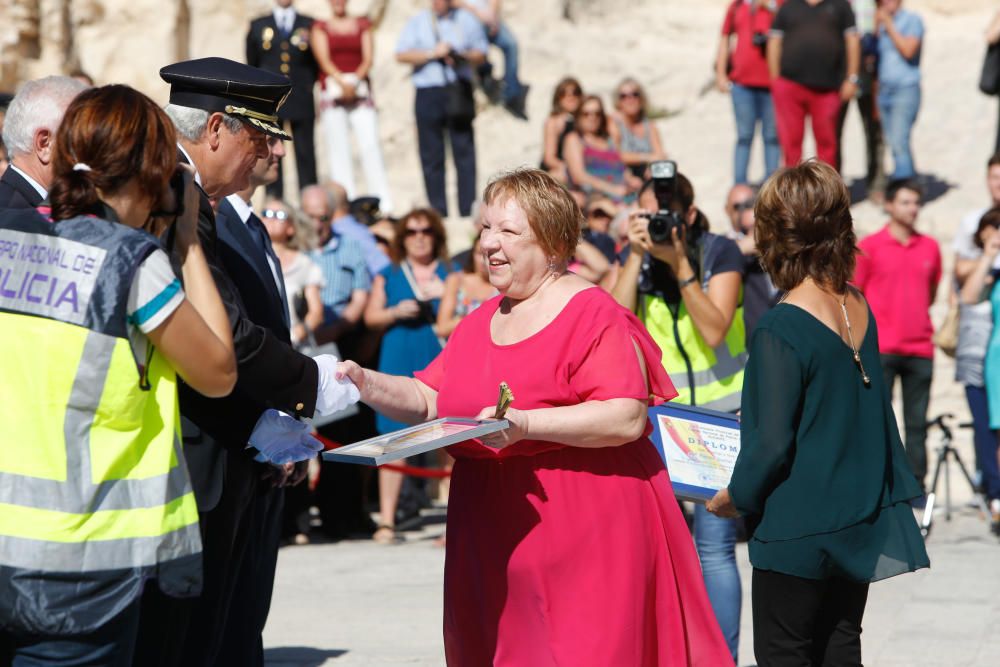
(224, 113)
(247, 255)
(279, 42)
(29, 131)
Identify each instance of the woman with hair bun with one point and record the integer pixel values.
(96, 496)
(822, 472)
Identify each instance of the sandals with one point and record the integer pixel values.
(385, 535)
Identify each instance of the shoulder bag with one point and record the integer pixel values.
(460, 105)
(989, 78)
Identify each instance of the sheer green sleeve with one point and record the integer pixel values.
(772, 407)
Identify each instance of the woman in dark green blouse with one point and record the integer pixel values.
(822, 470)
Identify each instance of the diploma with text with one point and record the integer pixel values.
(699, 446)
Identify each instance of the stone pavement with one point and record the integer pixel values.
(354, 604)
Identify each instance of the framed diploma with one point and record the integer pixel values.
(414, 440)
(699, 446)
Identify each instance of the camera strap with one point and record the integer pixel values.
(415, 288)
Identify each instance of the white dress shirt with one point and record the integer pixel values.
(244, 210)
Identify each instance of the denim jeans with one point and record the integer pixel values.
(715, 540)
(898, 106)
(985, 439)
(749, 106)
(505, 41)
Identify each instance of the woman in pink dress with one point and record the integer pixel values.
(566, 546)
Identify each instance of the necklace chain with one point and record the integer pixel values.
(854, 348)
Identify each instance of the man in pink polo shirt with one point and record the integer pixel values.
(898, 270)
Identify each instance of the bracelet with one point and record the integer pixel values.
(681, 284)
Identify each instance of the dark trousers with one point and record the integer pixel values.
(340, 494)
(303, 130)
(239, 552)
(985, 439)
(806, 622)
(914, 375)
(875, 172)
(110, 645)
(432, 125)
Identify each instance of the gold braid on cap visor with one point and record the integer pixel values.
(265, 122)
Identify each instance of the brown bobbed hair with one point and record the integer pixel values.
(566, 83)
(121, 135)
(990, 219)
(602, 128)
(553, 215)
(397, 250)
(804, 228)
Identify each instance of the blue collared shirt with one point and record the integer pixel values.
(459, 28)
(343, 264)
(348, 227)
(893, 68)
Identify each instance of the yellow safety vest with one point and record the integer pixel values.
(93, 486)
(715, 377)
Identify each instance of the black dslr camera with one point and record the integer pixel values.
(759, 39)
(664, 221)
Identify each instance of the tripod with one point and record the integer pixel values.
(944, 452)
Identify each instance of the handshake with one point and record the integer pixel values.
(280, 438)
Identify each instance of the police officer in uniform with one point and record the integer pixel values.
(224, 112)
(279, 42)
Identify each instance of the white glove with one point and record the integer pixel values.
(333, 395)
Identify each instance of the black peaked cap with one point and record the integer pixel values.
(219, 84)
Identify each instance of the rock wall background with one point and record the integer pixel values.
(669, 45)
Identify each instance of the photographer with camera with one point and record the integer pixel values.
(404, 302)
(685, 285)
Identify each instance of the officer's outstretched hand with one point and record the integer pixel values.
(335, 391)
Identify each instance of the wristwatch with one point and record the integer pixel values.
(854, 78)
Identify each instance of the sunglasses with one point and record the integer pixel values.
(599, 213)
(625, 94)
(274, 214)
(423, 231)
(571, 93)
(745, 205)
(591, 114)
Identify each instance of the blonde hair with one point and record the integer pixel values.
(553, 215)
(643, 101)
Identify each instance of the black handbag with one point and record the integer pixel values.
(461, 105)
(989, 80)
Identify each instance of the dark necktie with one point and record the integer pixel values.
(263, 243)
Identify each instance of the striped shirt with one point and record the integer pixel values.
(342, 261)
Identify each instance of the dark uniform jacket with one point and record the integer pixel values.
(271, 375)
(274, 51)
(15, 192)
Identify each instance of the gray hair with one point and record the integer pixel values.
(39, 105)
(191, 123)
(327, 196)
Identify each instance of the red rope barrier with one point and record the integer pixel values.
(414, 471)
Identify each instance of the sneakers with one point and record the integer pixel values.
(995, 516)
